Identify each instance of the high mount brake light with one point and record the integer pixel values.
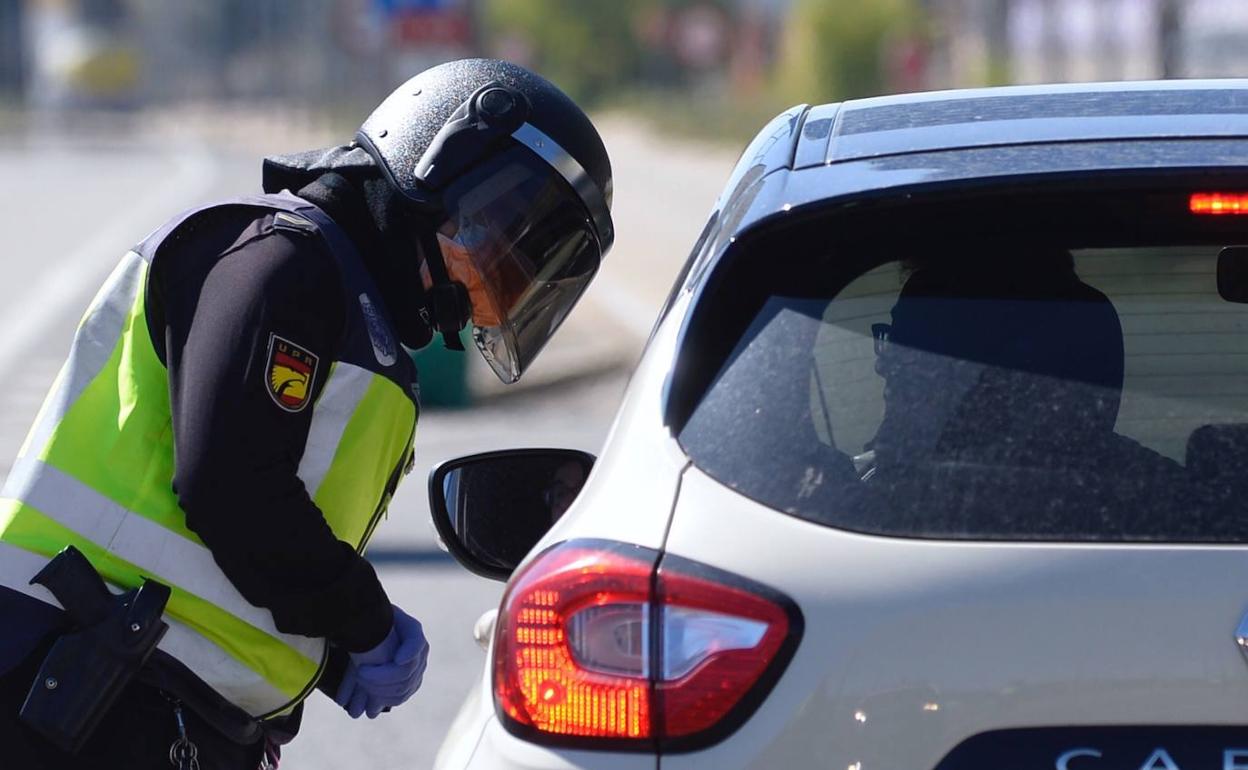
(1216, 203)
(601, 645)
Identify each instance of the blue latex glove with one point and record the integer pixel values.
(388, 674)
(352, 697)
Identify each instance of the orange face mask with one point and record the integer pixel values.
(460, 269)
(494, 280)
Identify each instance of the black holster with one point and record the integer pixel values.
(87, 668)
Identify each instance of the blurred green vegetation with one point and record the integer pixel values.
(705, 116)
(589, 48)
(11, 114)
(609, 54)
(840, 50)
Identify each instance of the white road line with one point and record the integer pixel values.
(68, 278)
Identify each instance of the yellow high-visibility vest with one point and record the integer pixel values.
(96, 471)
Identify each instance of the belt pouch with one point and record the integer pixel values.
(86, 670)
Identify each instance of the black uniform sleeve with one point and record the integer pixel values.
(238, 444)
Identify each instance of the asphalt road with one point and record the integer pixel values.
(72, 204)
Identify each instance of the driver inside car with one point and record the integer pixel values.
(1003, 377)
(1007, 361)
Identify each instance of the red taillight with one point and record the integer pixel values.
(1219, 203)
(545, 681)
(716, 641)
(596, 640)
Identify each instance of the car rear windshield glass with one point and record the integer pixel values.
(1020, 392)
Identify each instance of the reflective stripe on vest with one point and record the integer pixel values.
(207, 660)
(96, 472)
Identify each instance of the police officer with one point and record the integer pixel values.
(238, 408)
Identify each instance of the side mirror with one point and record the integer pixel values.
(491, 509)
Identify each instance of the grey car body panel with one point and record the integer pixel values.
(913, 646)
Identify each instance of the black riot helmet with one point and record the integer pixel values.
(513, 180)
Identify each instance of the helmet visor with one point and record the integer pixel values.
(522, 242)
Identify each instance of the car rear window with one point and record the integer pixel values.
(1014, 388)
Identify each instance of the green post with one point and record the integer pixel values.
(444, 373)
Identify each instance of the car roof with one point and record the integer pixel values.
(986, 117)
(982, 136)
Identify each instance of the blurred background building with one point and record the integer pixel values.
(704, 64)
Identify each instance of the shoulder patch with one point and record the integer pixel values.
(289, 371)
(384, 348)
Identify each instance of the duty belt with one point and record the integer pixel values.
(113, 643)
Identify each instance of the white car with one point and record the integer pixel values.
(935, 460)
